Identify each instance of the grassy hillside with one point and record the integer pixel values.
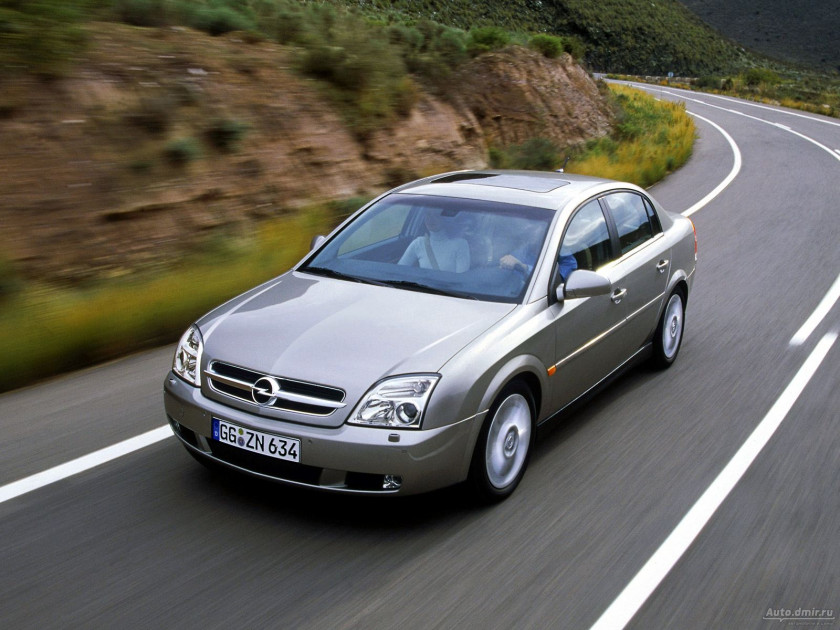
(799, 31)
(631, 36)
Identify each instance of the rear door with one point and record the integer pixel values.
(640, 272)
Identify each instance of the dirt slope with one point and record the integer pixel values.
(160, 137)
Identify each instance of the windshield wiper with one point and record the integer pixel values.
(416, 286)
(332, 273)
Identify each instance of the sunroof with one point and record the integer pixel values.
(530, 183)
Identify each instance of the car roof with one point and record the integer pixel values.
(534, 188)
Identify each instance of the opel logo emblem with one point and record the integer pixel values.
(264, 391)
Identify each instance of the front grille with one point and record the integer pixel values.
(297, 396)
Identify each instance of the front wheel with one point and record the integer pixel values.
(668, 337)
(504, 444)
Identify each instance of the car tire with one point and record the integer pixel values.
(667, 339)
(504, 445)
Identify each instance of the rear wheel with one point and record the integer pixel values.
(668, 337)
(504, 444)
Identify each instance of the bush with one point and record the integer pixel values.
(182, 151)
(430, 50)
(548, 45)
(141, 12)
(758, 76)
(225, 134)
(486, 39)
(709, 82)
(219, 20)
(574, 46)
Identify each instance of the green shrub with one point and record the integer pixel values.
(548, 45)
(182, 151)
(430, 50)
(574, 46)
(141, 12)
(226, 134)
(758, 76)
(485, 39)
(218, 20)
(709, 82)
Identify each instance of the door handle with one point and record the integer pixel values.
(662, 265)
(618, 295)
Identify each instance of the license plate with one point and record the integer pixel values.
(277, 446)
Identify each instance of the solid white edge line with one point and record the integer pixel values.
(736, 168)
(636, 593)
(823, 308)
(761, 120)
(81, 464)
(826, 120)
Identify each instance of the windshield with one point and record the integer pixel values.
(463, 247)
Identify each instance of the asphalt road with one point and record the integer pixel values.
(152, 540)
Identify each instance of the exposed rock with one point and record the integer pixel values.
(87, 186)
(516, 94)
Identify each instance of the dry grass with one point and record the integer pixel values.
(653, 139)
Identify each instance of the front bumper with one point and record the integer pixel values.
(350, 459)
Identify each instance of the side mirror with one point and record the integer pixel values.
(316, 241)
(583, 283)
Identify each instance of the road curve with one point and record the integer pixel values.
(150, 539)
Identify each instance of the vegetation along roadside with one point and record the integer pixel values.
(45, 331)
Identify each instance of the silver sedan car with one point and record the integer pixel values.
(426, 338)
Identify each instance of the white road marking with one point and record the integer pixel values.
(636, 593)
(81, 464)
(756, 118)
(736, 168)
(825, 305)
(825, 120)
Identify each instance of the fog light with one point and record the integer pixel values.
(391, 482)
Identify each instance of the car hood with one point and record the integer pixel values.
(343, 334)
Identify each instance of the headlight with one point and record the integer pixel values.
(397, 403)
(187, 360)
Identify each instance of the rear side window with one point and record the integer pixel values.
(634, 218)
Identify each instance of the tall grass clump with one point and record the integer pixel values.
(651, 139)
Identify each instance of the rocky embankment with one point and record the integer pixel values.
(160, 137)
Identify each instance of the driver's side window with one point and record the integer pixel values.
(586, 243)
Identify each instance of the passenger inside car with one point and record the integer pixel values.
(438, 249)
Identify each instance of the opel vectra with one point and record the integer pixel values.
(424, 340)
